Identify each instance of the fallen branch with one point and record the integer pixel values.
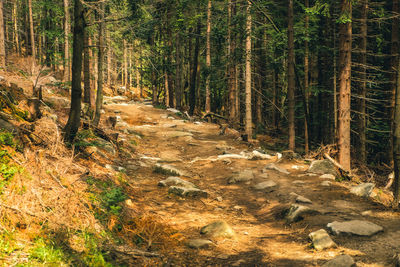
(342, 171)
(132, 252)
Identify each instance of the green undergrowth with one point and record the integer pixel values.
(85, 138)
(7, 168)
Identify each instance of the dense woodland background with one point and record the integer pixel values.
(319, 72)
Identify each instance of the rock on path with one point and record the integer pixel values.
(340, 261)
(218, 229)
(321, 240)
(354, 227)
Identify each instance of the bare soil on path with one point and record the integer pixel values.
(263, 238)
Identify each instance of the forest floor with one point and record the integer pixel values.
(68, 191)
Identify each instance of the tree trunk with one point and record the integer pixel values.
(99, 95)
(125, 63)
(231, 63)
(208, 58)
(178, 75)
(248, 121)
(394, 60)
(193, 76)
(109, 60)
(86, 68)
(345, 35)
(363, 83)
(16, 33)
(66, 41)
(74, 118)
(33, 49)
(2, 38)
(396, 142)
(291, 78)
(306, 82)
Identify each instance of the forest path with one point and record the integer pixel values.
(263, 237)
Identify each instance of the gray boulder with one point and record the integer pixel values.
(354, 227)
(297, 212)
(362, 190)
(187, 191)
(218, 229)
(304, 200)
(321, 240)
(266, 186)
(323, 167)
(173, 180)
(243, 176)
(340, 261)
(168, 170)
(199, 243)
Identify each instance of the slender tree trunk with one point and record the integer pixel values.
(396, 143)
(363, 83)
(208, 58)
(66, 41)
(306, 82)
(231, 64)
(74, 118)
(16, 33)
(2, 38)
(109, 60)
(248, 121)
(100, 80)
(86, 68)
(125, 63)
(33, 48)
(345, 35)
(394, 61)
(178, 76)
(193, 76)
(291, 78)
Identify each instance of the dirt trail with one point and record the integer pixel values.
(263, 237)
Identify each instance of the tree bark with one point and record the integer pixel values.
(16, 34)
(86, 68)
(396, 142)
(178, 75)
(208, 58)
(394, 61)
(306, 82)
(100, 62)
(363, 83)
(248, 121)
(73, 123)
(345, 35)
(67, 65)
(231, 64)
(2, 38)
(32, 33)
(291, 78)
(193, 76)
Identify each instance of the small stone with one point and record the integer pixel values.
(326, 183)
(173, 180)
(301, 199)
(129, 203)
(244, 176)
(223, 256)
(362, 190)
(246, 233)
(199, 243)
(321, 240)
(218, 229)
(327, 176)
(272, 166)
(296, 212)
(237, 207)
(298, 182)
(267, 186)
(340, 261)
(256, 155)
(187, 192)
(219, 199)
(354, 227)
